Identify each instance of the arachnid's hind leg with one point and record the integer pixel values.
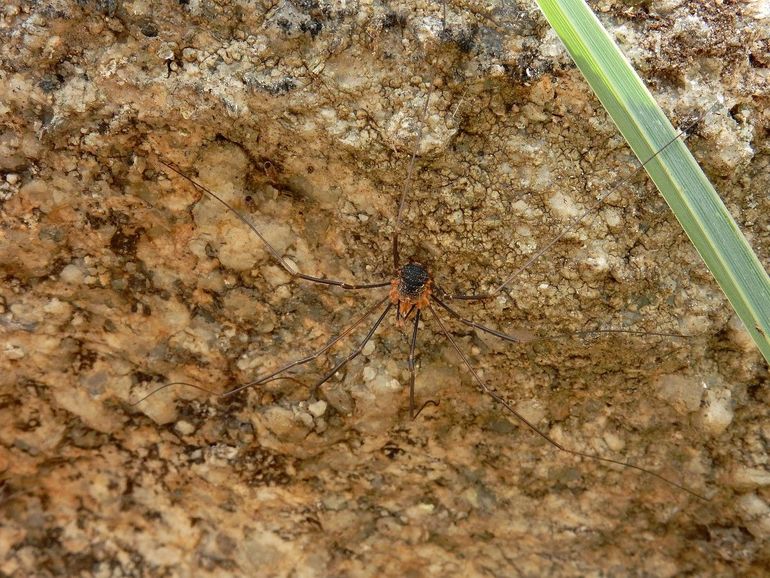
(355, 353)
(413, 371)
(502, 401)
(514, 339)
(275, 374)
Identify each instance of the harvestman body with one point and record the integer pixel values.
(412, 292)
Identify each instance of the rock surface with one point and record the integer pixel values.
(119, 277)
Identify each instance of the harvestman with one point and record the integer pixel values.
(413, 291)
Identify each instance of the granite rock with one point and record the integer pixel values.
(119, 277)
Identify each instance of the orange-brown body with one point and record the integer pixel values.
(411, 289)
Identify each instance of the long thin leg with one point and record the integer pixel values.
(475, 325)
(576, 221)
(209, 391)
(413, 372)
(355, 353)
(410, 362)
(281, 261)
(535, 429)
(408, 181)
(514, 339)
(283, 368)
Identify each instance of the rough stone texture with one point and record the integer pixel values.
(118, 277)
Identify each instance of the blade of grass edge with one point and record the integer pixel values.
(674, 171)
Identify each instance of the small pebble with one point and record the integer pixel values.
(290, 263)
(305, 419)
(317, 408)
(755, 513)
(14, 352)
(184, 428)
(614, 442)
(718, 411)
(745, 478)
(71, 274)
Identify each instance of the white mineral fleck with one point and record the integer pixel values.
(563, 207)
(755, 513)
(718, 411)
(613, 441)
(12, 351)
(369, 373)
(317, 408)
(184, 427)
(304, 418)
(71, 274)
(745, 478)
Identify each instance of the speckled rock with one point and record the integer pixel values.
(119, 276)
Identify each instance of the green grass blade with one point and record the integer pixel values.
(674, 171)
